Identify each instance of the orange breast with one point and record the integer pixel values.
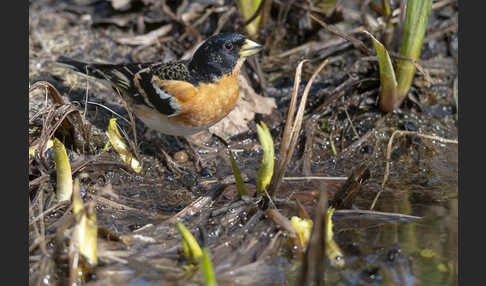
(211, 103)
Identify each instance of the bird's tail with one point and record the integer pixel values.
(94, 70)
(119, 76)
(73, 64)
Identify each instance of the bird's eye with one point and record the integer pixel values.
(228, 46)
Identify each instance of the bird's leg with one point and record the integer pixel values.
(171, 164)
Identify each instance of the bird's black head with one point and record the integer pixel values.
(220, 54)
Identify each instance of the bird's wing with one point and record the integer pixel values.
(165, 86)
(158, 85)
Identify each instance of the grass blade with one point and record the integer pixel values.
(64, 186)
(207, 268)
(192, 250)
(416, 19)
(240, 185)
(388, 81)
(266, 169)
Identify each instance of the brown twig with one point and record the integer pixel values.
(376, 213)
(313, 264)
(357, 43)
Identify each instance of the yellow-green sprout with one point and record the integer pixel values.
(333, 252)
(192, 250)
(240, 185)
(86, 230)
(266, 169)
(414, 28)
(120, 146)
(303, 228)
(207, 268)
(64, 185)
(388, 81)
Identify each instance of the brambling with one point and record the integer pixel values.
(183, 97)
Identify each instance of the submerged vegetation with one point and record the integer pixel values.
(337, 167)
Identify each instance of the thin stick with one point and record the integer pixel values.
(110, 110)
(49, 210)
(349, 119)
(314, 178)
(375, 213)
(119, 206)
(357, 43)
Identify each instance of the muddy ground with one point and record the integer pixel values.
(343, 129)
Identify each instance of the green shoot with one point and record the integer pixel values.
(240, 185)
(85, 233)
(119, 145)
(207, 268)
(333, 252)
(394, 89)
(266, 169)
(388, 80)
(64, 186)
(192, 250)
(416, 19)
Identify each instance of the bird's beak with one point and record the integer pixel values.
(250, 48)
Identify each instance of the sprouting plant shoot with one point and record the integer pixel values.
(394, 89)
(119, 145)
(192, 250)
(240, 185)
(266, 169)
(88, 229)
(333, 251)
(207, 269)
(64, 185)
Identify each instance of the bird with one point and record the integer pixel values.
(179, 98)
